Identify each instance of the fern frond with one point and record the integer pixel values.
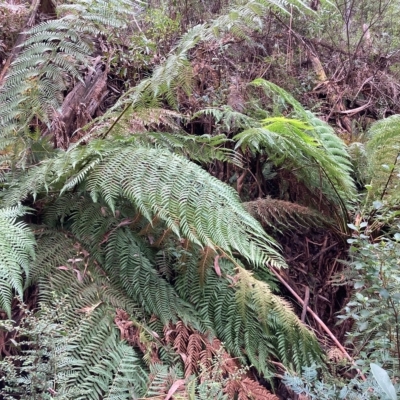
(323, 132)
(175, 190)
(52, 56)
(204, 148)
(281, 215)
(228, 118)
(63, 266)
(251, 321)
(162, 377)
(125, 259)
(289, 144)
(359, 159)
(192, 204)
(383, 152)
(281, 94)
(118, 375)
(17, 251)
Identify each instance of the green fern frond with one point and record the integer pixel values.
(17, 251)
(290, 144)
(322, 131)
(192, 204)
(228, 118)
(63, 266)
(125, 259)
(281, 94)
(204, 148)
(276, 314)
(246, 316)
(185, 197)
(383, 152)
(124, 384)
(52, 56)
(162, 377)
(331, 143)
(359, 159)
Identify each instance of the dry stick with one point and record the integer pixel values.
(318, 320)
(305, 304)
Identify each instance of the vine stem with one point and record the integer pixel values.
(318, 320)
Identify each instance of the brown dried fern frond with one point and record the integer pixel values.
(246, 388)
(280, 215)
(187, 343)
(199, 352)
(135, 335)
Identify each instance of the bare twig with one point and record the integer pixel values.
(305, 304)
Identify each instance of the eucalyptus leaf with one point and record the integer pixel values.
(382, 377)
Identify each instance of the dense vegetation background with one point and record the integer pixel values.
(199, 199)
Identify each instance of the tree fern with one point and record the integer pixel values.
(334, 149)
(51, 59)
(322, 131)
(290, 145)
(100, 242)
(129, 222)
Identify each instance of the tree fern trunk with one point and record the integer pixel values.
(80, 105)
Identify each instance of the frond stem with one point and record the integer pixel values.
(390, 176)
(104, 135)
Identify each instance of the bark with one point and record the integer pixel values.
(80, 105)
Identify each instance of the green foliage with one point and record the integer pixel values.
(383, 150)
(44, 367)
(249, 317)
(193, 204)
(156, 35)
(289, 144)
(175, 73)
(383, 380)
(359, 159)
(130, 221)
(111, 369)
(373, 388)
(52, 57)
(375, 306)
(80, 359)
(311, 142)
(17, 250)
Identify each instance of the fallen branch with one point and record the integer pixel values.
(318, 320)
